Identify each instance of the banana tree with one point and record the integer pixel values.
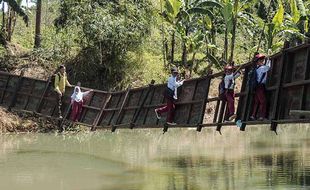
(284, 26)
(232, 12)
(195, 25)
(170, 14)
(298, 17)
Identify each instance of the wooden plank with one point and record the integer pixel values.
(163, 102)
(297, 83)
(241, 98)
(118, 101)
(4, 90)
(137, 113)
(218, 102)
(17, 88)
(92, 107)
(89, 107)
(191, 105)
(240, 94)
(276, 102)
(221, 116)
(287, 121)
(204, 104)
(154, 105)
(296, 48)
(33, 82)
(99, 116)
(147, 111)
(7, 73)
(247, 102)
(47, 85)
(121, 109)
(305, 88)
(300, 112)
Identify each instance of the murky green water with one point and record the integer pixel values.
(147, 160)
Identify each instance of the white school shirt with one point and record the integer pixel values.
(261, 70)
(78, 95)
(230, 79)
(173, 84)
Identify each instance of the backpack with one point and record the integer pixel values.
(222, 89)
(53, 77)
(252, 79)
(169, 93)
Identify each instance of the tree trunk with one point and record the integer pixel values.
(172, 48)
(101, 60)
(37, 38)
(13, 22)
(233, 38)
(226, 45)
(192, 66)
(3, 18)
(184, 50)
(184, 53)
(9, 24)
(213, 40)
(163, 34)
(166, 50)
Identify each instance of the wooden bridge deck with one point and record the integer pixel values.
(288, 88)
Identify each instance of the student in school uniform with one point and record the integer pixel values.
(229, 85)
(77, 99)
(262, 67)
(170, 96)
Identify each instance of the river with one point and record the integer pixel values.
(145, 159)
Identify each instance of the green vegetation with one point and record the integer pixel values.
(113, 44)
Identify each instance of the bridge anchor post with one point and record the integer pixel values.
(132, 125)
(273, 127)
(113, 128)
(165, 128)
(242, 128)
(218, 128)
(199, 127)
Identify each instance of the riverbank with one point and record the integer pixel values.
(18, 122)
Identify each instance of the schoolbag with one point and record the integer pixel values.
(252, 79)
(53, 77)
(222, 89)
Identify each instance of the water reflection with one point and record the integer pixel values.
(146, 159)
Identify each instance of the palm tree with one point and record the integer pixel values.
(37, 38)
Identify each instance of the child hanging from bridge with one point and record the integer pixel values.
(229, 96)
(77, 99)
(170, 96)
(258, 84)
